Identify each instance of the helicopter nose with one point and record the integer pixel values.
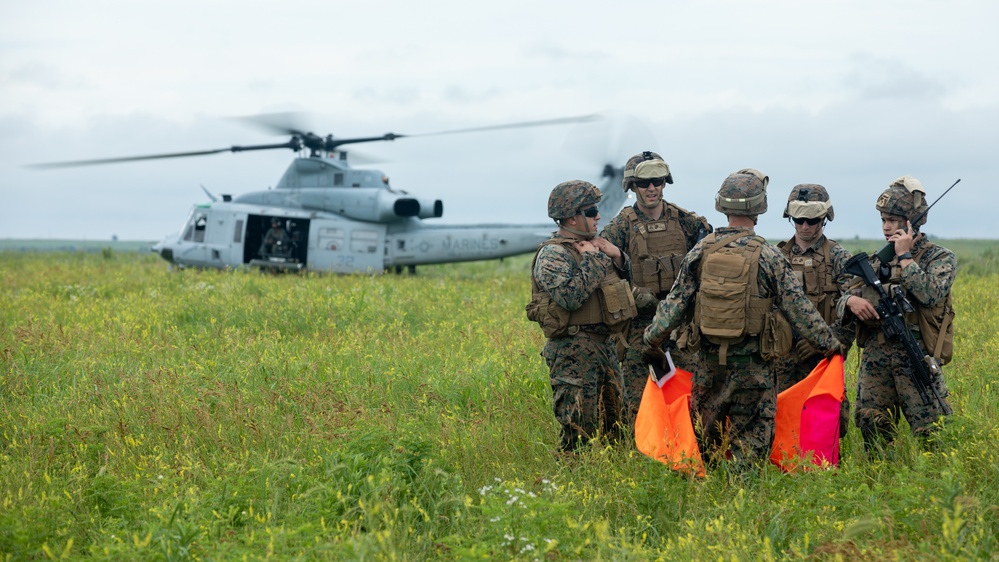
(164, 251)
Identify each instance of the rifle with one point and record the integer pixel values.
(891, 309)
(701, 232)
(887, 252)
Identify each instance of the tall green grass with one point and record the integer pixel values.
(147, 414)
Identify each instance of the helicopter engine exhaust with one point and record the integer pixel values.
(406, 207)
(431, 209)
(424, 209)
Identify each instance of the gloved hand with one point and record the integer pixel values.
(803, 351)
(655, 356)
(644, 298)
(840, 348)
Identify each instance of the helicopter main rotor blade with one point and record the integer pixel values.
(281, 122)
(285, 123)
(332, 142)
(524, 124)
(294, 144)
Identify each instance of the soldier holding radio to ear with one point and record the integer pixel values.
(922, 273)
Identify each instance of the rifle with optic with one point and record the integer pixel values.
(891, 309)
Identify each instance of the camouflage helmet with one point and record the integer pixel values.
(763, 177)
(808, 201)
(646, 164)
(905, 197)
(742, 194)
(569, 197)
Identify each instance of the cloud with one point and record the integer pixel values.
(396, 95)
(557, 53)
(874, 77)
(43, 76)
(460, 94)
(806, 92)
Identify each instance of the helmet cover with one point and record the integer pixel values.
(569, 197)
(808, 201)
(905, 197)
(643, 165)
(742, 194)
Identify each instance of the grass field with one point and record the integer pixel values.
(156, 415)
(26, 245)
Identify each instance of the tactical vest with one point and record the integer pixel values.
(611, 304)
(728, 306)
(935, 325)
(815, 273)
(656, 248)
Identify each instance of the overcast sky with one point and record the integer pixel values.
(848, 94)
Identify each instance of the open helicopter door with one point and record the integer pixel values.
(276, 242)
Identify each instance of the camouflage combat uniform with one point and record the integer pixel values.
(625, 231)
(823, 285)
(738, 401)
(884, 391)
(583, 367)
(277, 242)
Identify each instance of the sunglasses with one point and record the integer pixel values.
(590, 212)
(644, 182)
(809, 222)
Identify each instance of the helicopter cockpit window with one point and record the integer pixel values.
(196, 228)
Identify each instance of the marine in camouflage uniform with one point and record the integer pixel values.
(818, 264)
(733, 398)
(656, 235)
(581, 297)
(277, 242)
(925, 272)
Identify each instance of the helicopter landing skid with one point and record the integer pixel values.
(278, 264)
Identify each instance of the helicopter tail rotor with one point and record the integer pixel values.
(611, 142)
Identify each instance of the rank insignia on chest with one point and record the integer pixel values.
(801, 260)
(657, 226)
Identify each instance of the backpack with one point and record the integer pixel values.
(728, 304)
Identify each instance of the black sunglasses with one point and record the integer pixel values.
(810, 222)
(644, 182)
(590, 212)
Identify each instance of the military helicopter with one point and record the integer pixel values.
(325, 215)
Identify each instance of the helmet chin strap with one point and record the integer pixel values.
(818, 232)
(641, 202)
(810, 238)
(585, 235)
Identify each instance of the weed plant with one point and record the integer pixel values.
(156, 415)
